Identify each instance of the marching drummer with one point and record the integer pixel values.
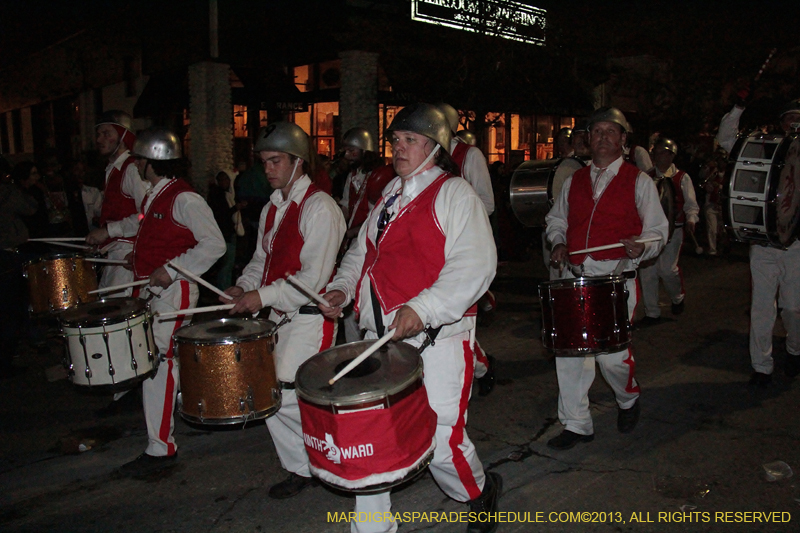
(422, 258)
(686, 215)
(610, 201)
(177, 226)
(773, 271)
(123, 194)
(299, 233)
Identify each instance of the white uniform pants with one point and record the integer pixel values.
(576, 374)
(481, 362)
(159, 393)
(116, 274)
(296, 342)
(713, 214)
(666, 267)
(455, 466)
(774, 272)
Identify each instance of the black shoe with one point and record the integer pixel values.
(627, 418)
(677, 309)
(291, 486)
(792, 365)
(760, 380)
(568, 439)
(648, 321)
(486, 503)
(145, 464)
(486, 383)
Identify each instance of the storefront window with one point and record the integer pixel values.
(303, 78)
(240, 121)
(544, 136)
(496, 148)
(322, 129)
(386, 115)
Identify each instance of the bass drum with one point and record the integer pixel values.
(535, 185)
(761, 195)
(666, 196)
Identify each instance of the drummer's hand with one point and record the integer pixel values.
(249, 302)
(97, 236)
(406, 324)
(128, 261)
(234, 291)
(632, 248)
(160, 278)
(558, 257)
(690, 227)
(335, 300)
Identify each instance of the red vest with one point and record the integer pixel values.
(160, 238)
(460, 154)
(615, 216)
(369, 193)
(410, 253)
(116, 204)
(283, 252)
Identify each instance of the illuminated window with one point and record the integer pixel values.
(386, 115)
(319, 122)
(496, 134)
(303, 78)
(240, 121)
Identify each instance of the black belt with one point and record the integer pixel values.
(629, 274)
(285, 385)
(309, 310)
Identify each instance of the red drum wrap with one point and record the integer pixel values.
(373, 428)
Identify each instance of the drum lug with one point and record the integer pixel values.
(237, 353)
(270, 346)
(74, 266)
(276, 394)
(88, 371)
(197, 353)
(134, 364)
(111, 371)
(146, 325)
(248, 401)
(200, 408)
(64, 295)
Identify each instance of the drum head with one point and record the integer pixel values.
(101, 312)
(581, 282)
(386, 372)
(225, 331)
(788, 194)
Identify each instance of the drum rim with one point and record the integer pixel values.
(354, 400)
(53, 257)
(584, 281)
(225, 341)
(102, 321)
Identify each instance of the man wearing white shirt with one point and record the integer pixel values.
(437, 256)
(176, 226)
(607, 202)
(686, 216)
(299, 233)
(123, 195)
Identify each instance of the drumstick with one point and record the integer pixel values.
(119, 287)
(308, 291)
(57, 239)
(615, 245)
(357, 361)
(199, 280)
(66, 245)
(171, 314)
(697, 248)
(107, 261)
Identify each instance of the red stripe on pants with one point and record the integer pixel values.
(169, 404)
(480, 355)
(327, 334)
(457, 436)
(629, 387)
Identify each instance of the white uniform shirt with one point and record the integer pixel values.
(690, 206)
(134, 186)
(654, 223)
(322, 227)
(477, 174)
(470, 256)
(729, 128)
(641, 157)
(92, 203)
(192, 211)
(356, 179)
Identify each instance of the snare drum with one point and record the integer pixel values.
(535, 185)
(585, 316)
(373, 428)
(59, 282)
(762, 189)
(109, 343)
(227, 371)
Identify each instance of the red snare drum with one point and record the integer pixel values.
(373, 428)
(585, 316)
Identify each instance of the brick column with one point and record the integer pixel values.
(211, 126)
(358, 101)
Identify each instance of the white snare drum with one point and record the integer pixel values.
(110, 343)
(762, 189)
(535, 185)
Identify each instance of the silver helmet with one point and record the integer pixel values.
(359, 138)
(451, 115)
(424, 119)
(791, 107)
(666, 144)
(157, 144)
(468, 137)
(609, 114)
(284, 137)
(117, 118)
